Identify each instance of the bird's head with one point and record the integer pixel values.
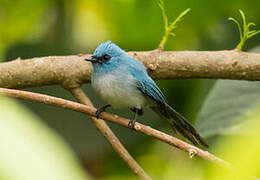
(105, 53)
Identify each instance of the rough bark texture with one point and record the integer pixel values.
(71, 71)
(201, 64)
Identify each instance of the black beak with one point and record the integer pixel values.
(92, 59)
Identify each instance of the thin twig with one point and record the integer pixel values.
(192, 150)
(104, 129)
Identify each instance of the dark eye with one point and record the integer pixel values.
(106, 57)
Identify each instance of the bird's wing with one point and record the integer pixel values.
(146, 85)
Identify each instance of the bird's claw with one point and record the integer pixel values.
(131, 124)
(98, 113)
(100, 110)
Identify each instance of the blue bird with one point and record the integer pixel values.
(122, 81)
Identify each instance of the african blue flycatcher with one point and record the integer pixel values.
(122, 81)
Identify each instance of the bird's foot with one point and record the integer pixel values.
(137, 112)
(131, 124)
(102, 109)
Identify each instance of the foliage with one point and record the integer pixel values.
(30, 150)
(169, 27)
(32, 28)
(231, 113)
(226, 106)
(241, 150)
(16, 24)
(244, 31)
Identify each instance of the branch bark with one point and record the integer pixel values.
(192, 150)
(71, 71)
(104, 129)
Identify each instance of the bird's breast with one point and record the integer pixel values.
(119, 89)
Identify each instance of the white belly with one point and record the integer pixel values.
(119, 91)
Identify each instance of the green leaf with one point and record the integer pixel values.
(165, 18)
(178, 19)
(238, 25)
(227, 106)
(168, 28)
(253, 33)
(241, 151)
(172, 34)
(244, 20)
(244, 32)
(31, 150)
(251, 24)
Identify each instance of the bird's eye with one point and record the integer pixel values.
(106, 57)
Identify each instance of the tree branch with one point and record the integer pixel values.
(71, 71)
(104, 129)
(192, 150)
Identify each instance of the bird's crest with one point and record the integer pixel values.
(108, 48)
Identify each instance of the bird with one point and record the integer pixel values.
(123, 82)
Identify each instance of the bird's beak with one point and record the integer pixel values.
(92, 59)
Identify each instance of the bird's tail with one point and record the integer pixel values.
(179, 123)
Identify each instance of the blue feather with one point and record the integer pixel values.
(123, 81)
(146, 85)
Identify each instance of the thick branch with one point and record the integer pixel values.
(192, 150)
(104, 129)
(70, 71)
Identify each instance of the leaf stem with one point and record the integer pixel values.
(169, 27)
(244, 31)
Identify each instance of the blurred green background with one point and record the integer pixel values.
(34, 28)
